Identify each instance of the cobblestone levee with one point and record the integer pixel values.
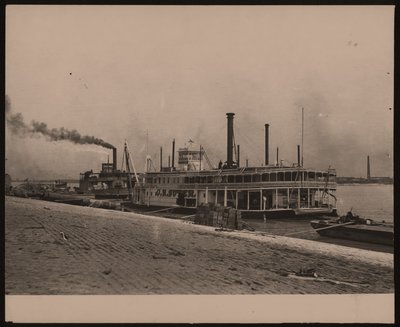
(110, 252)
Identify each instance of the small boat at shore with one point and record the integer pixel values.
(355, 228)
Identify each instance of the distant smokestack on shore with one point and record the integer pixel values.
(368, 169)
(114, 158)
(18, 127)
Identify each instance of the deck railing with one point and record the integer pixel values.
(279, 184)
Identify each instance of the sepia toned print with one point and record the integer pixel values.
(191, 152)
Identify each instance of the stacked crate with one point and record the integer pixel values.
(239, 222)
(199, 218)
(218, 216)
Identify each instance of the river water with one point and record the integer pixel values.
(373, 201)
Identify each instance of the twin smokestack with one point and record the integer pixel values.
(173, 157)
(266, 144)
(229, 161)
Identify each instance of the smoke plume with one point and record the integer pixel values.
(18, 127)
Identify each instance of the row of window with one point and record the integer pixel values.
(171, 193)
(248, 178)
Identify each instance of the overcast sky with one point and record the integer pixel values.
(115, 72)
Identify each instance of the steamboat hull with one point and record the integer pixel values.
(290, 213)
(377, 234)
(111, 194)
(65, 198)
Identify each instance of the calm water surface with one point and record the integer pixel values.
(369, 201)
(373, 201)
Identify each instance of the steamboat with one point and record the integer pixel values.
(110, 182)
(266, 191)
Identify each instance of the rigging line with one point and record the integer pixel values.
(234, 144)
(207, 159)
(130, 159)
(326, 183)
(248, 146)
(249, 143)
(291, 192)
(122, 162)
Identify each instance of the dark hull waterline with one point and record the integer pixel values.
(377, 234)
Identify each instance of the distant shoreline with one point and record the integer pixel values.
(355, 180)
(46, 181)
(358, 183)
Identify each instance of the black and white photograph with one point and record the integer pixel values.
(199, 163)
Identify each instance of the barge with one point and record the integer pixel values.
(356, 229)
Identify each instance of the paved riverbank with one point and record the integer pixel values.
(110, 252)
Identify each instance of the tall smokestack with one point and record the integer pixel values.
(277, 156)
(173, 154)
(169, 161)
(114, 158)
(298, 155)
(368, 169)
(266, 144)
(229, 160)
(238, 155)
(160, 158)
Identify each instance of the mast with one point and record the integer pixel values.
(147, 142)
(302, 135)
(160, 158)
(200, 158)
(148, 163)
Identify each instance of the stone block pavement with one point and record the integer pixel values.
(110, 252)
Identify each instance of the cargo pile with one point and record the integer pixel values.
(105, 204)
(218, 216)
(27, 189)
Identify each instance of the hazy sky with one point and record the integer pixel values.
(115, 72)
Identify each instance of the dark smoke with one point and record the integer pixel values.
(60, 134)
(18, 127)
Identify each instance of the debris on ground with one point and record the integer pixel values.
(107, 271)
(64, 236)
(158, 257)
(310, 272)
